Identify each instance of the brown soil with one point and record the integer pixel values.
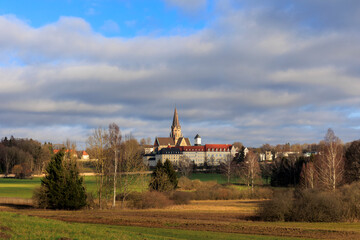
(219, 216)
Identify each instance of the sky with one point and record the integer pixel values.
(254, 71)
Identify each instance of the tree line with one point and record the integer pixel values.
(23, 157)
(331, 164)
(334, 164)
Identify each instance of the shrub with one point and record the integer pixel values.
(91, 200)
(187, 184)
(21, 171)
(350, 195)
(216, 192)
(278, 208)
(313, 205)
(181, 197)
(151, 199)
(258, 193)
(316, 206)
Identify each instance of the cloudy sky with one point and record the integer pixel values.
(270, 71)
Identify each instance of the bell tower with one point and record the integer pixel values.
(175, 128)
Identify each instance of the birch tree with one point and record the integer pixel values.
(330, 165)
(251, 169)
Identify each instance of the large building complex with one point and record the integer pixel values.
(177, 147)
(176, 138)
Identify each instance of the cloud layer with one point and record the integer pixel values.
(262, 72)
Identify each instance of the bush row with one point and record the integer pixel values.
(212, 191)
(314, 205)
(155, 199)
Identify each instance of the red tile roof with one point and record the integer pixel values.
(193, 148)
(217, 147)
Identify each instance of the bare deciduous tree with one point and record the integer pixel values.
(250, 168)
(97, 145)
(8, 157)
(131, 166)
(227, 167)
(114, 142)
(308, 175)
(70, 150)
(185, 166)
(330, 164)
(146, 141)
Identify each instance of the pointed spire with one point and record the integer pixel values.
(175, 119)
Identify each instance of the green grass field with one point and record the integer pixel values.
(19, 188)
(23, 188)
(39, 228)
(210, 177)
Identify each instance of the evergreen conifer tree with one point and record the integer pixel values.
(170, 171)
(241, 157)
(75, 194)
(62, 187)
(164, 177)
(54, 182)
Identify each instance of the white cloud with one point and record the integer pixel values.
(250, 76)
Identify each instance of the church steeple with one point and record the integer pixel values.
(175, 128)
(175, 119)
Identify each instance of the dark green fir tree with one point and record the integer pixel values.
(170, 171)
(62, 187)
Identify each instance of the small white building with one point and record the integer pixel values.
(85, 156)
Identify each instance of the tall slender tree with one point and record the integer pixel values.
(228, 167)
(330, 166)
(251, 169)
(308, 175)
(115, 143)
(98, 145)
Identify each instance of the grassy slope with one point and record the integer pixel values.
(38, 228)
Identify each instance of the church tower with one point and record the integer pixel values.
(175, 128)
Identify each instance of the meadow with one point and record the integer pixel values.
(23, 188)
(210, 177)
(201, 219)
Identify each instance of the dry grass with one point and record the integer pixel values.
(16, 201)
(235, 206)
